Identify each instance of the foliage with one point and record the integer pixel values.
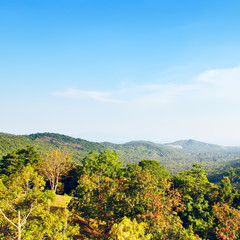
(53, 166)
(52, 225)
(128, 229)
(198, 195)
(226, 194)
(107, 195)
(137, 201)
(45, 142)
(155, 168)
(96, 184)
(21, 195)
(15, 161)
(230, 170)
(228, 222)
(173, 160)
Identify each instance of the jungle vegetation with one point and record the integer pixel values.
(104, 198)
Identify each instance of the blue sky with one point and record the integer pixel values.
(118, 70)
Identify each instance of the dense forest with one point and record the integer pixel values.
(46, 195)
(214, 158)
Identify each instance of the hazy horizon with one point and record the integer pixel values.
(124, 142)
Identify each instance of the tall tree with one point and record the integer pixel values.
(95, 185)
(226, 194)
(20, 196)
(16, 160)
(155, 168)
(196, 193)
(53, 166)
(101, 166)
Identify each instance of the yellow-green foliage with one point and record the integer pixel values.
(129, 230)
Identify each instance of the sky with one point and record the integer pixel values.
(121, 70)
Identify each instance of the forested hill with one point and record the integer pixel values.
(191, 145)
(230, 170)
(131, 152)
(175, 159)
(59, 140)
(43, 142)
(135, 151)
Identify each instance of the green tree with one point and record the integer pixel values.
(55, 225)
(21, 195)
(128, 229)
(142, 196)
(226, 195)
(196, 193)
(15, 161)
(95, 185)
(154, 168)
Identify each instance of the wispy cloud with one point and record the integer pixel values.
(221, 85)
(218, 84)
(215, 84)
(220, 77)
(96, 95)
(159, 94)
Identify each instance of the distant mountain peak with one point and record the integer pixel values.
(191, 145)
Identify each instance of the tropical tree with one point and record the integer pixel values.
(226, 194)
(21, 195)
(154, 168)
(228, 222)
(128, 229)
(56, 225)
(95, 185)
(142, 196)
(16, 160)
(53, 166)
(198, 197)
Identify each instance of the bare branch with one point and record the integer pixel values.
(8, 219)
(10, 235)
(26, 217)
(11, 207)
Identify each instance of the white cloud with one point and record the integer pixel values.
(221, 76)
(212, 84)
(96, 95)
(218, 84)
(222, 84)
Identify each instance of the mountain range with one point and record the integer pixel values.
(176, 156)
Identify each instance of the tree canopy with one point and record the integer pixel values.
(112, 201)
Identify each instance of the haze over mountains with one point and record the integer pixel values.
(191, 145)
(10, 141)
(176, 156)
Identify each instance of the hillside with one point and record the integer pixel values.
(175, 159)
(135, 151)
(59, 140)
(191, 145)
(10, 142)
(45, 141)
(131, 152)
(230, 170)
